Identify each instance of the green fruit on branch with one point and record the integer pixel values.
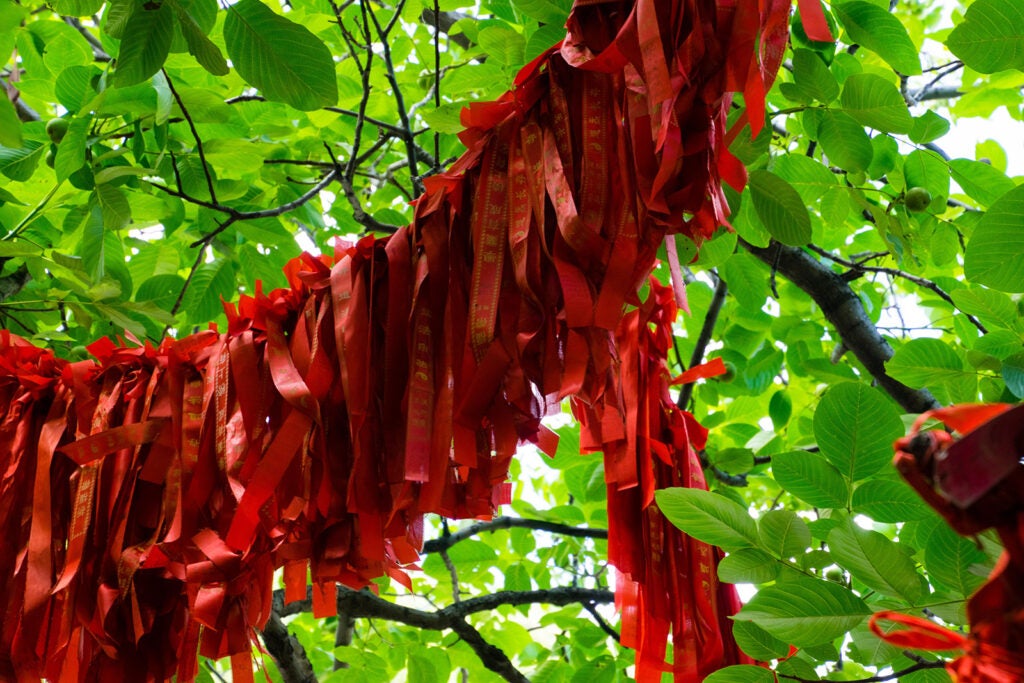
(57, 129)
(51, 156)
(729, 374)
(917, 199)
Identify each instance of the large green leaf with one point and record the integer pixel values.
(808, 176)
(876, 562)
(19, 163)
(757, 642)
(876, 102)
(10, 126)
(780, 208)
(980, 180)
(991, 37)
(926, 362)
(855, 427)
(845, 143)
(889, 501)
(741, 673)
(991, 307)
(146, 43)
(805, 612)
(952, 560)
(811, 478)
(784, 533)
(748, 565)
(995, 253)
(811, 78)
(709, 517)
(202, 48)
(283, 59)
(881, 32)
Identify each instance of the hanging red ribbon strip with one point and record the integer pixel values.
(146, 499)
(975, 482)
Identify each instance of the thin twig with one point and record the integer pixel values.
(894, 676)
(704, 338)
(860, 267)
(195, 134)
(438, 545)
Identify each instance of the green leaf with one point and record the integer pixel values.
(747, 279)
(161, 290)
(78, 8)
(71, 151)
(988, 305)
(20, 163)
(981, 181)
(1013, 374)
(924, 168)
(708, 517)
(18, 249)
(952, 560)
(855, 427)
(995, 253)
(116, 211)
(926, 362)
(780, 208)
(757, 642)
(844, 141)
(146, 43)
(73, 87)
(811, 478)
(991, 36)
(202, 48)
(503, 44)
(742, 673)
(805, 612)
(211, 282)
(928, 126)
(783, 533)
(889, 501)
(876, 102)
(284, 60)
(881, 32)
(748, 565)
(812, 79)
(542, 10)
(10, 125)
(875, 561)
(808, 176)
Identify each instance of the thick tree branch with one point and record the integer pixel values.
(845, 311)
(438, 544)
(286, 650)
(364, 604)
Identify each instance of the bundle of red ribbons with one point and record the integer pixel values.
(147, 498)
(976, 482)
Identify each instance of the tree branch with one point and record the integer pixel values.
(894, 676)
(287, 652)
(859, 267)
(708, 328)
(845, 311)
(439, 544)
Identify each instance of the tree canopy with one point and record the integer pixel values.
(158, 158)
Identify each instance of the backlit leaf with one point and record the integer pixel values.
(283, 59)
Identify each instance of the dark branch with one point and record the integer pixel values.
(721, 290)
(894, 676)
(859, 267)
(287, 652)
(438, 544)
(845, 311)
